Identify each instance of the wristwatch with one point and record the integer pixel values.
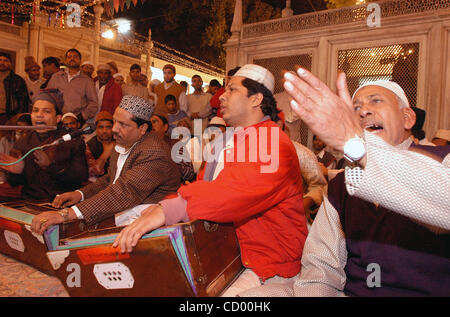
(64, 213)
(355, 149)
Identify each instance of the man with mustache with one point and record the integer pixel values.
(80, 95)
(380, 231)
(141, 172)
(264, 204)
(52, 170)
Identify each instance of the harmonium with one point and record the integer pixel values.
(19, 242)
(196, 258)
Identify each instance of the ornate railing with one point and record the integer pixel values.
(389, 8)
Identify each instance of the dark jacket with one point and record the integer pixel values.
(17, 98)
(68, 169)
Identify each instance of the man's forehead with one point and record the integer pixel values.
(236, 81)
(43, 104)
(122, 115)
(371, 91)
(104, 123)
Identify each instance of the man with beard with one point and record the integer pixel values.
(141, 172)
(33, 78)
(109, 93)
(80, 96)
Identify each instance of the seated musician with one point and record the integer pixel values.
(140, 173)
(52, 170)
(371, 236)
(261, 197)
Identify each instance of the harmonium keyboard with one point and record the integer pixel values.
(19, 242)
(196, 258)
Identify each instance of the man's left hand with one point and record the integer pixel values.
(151, 218)
(45, 220)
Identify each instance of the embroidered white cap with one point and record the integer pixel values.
(258, 74)
(389, 85)
(87, 63)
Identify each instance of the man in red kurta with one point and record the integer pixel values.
(253, 182)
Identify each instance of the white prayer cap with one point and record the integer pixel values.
(87, 63)
(104, 67)
(389, 85)
(443, 134)
(117, 75)
(258, 74)
(69, 114)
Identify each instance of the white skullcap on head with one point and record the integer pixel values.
(258, 74)
(389, 85)
(69, 114)
(443, 134)
(117, 75)
(104, 67)
(87, 63)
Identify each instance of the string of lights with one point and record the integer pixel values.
(56, 17)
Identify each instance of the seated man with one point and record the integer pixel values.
(358, 247)
(261, 196)
(100, 147)
(70, 121)
(141, 172)
(52, 170)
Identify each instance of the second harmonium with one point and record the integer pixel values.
(196, 258)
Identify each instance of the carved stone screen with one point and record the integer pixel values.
(398, 63)
(278, 64)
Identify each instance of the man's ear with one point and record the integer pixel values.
(58, 118)
(143, 128)
(256, 99)
(409, 117)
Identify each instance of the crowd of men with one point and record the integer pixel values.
(308, 222)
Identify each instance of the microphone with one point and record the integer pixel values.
(75, 134)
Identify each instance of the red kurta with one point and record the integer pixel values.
(266, 208)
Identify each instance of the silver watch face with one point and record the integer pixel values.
(355, 149)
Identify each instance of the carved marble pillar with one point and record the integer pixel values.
(233, 42)
(98, 10)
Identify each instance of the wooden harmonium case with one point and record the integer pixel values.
(188, 259)
(17, 240)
